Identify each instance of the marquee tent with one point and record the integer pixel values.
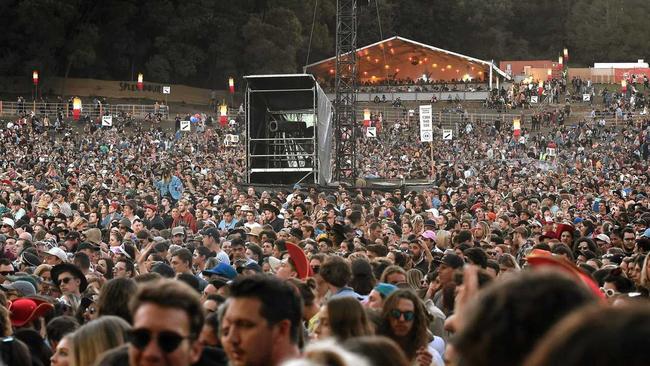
(399, 58)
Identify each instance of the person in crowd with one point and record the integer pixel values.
(94, 338)
(404, 319)
(342, 318)
(537, 299)
(262, 322)
(167, 320)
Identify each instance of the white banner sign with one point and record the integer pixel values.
(185, 126)
(447, 135)
(167, 89)
(107, 121)
(426, 118)
(371, 132)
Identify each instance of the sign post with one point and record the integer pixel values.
(185, 126)
(426, 130)
(166, 90)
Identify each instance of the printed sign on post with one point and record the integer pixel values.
(426, 118)
(533, 99)
(166, 89)
(107, 121)
(447, 135)
(185, 126)
(371, 132)
(426, 136)
(586, 97)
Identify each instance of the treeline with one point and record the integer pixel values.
(202, 42)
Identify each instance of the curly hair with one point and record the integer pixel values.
(418, 335)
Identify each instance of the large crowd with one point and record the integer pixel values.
(130, 245)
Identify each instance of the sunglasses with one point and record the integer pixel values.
(315, 269)
(396, 314)
(168, 341)
(65, 279)
(7, 273)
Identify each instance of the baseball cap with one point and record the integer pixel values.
(178, 230)
(9, 222)
(603, 237)
(222, 270)
(646, 233)
(385, 289)
(451, 260)
(58, 252)
(429, 234)
(24, 288)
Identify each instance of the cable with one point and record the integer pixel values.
(381, 38)
(311, 34)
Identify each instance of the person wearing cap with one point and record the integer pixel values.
(18, 289)
(178, 235)
(271, 214)
(446, 267)
(211, 240)
(378, 294)
(221, 270)
(603, 242)
(152, 220)
(7, 227)
(421, 253)
(55, 256)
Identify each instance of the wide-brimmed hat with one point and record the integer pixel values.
(299, 259)
(246, 208)
(542, 258)
(271, 208)
(93, 235)
(25, 309)
(69, 267)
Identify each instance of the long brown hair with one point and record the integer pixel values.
(347, 318)
(419, 334)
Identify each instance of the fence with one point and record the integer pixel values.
(93, 111)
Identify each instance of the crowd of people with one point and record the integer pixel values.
(144, 247)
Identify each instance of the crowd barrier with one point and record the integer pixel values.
(93, 111)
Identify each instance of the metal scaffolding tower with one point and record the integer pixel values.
(345, 82)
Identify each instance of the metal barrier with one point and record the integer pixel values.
(94, 111)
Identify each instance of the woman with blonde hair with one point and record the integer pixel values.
(91, 340)
(443, 239)
(418, 225)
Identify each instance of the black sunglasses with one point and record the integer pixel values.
(168, 341)
(7, 273)
(66, 279)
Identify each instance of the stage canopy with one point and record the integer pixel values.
(398, 58)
